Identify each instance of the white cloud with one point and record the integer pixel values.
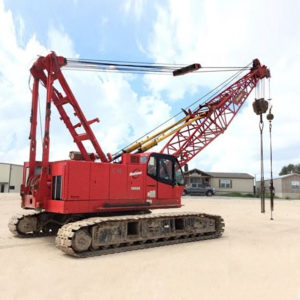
(60, 42)
(124, 116)
(214, 33)
(134, 5)
(21, 29)
(14, 94)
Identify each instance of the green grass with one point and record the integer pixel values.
(244, 195)
(236, 194)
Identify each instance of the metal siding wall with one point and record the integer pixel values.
(11, 175)
(277, 185)
(287, 184)
(16, 178)
(238, 185)
(283, 187)
(4, 172)
(5, 188)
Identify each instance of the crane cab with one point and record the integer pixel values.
(139, 181)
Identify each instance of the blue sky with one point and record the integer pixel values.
(112, 30)
(209, 32)
(98, 28)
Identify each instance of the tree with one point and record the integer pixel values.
(290, 168)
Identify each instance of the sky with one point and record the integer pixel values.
(211, 32)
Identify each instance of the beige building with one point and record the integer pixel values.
(10, 178)
(222, 182)
(232, 182)
(286, 186)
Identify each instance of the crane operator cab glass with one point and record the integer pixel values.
(165, 168)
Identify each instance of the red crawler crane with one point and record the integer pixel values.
(99, 203)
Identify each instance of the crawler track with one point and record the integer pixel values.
(108, 235)
(31, 217)
(33, 223)
(39, 223)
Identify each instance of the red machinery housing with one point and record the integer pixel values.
(89, 187)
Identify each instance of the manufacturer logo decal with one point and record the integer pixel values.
(135, 174)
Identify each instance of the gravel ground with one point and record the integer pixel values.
(255, 259)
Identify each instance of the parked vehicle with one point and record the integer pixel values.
(199, 188)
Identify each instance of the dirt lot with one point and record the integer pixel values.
(256, 259)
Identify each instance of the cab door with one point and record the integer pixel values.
(166, 184)
(165, 181)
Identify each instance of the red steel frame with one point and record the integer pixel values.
(47, 70)
(217, 114)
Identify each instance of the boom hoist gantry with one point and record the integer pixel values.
(99, 204)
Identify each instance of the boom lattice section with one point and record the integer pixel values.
(215, 116)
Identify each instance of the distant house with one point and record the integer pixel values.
(10, 178)
(286, 186)
(232, 182)
(196, 176)
(222, 182)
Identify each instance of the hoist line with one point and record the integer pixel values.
(262, 180)
(271, 168)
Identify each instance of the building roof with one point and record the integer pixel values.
(196, 171)
(281, 177)
(220, 174)
(230, 175)
(288, 175)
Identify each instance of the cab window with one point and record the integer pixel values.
(151, 168)
(178, 174)
(165, 169)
